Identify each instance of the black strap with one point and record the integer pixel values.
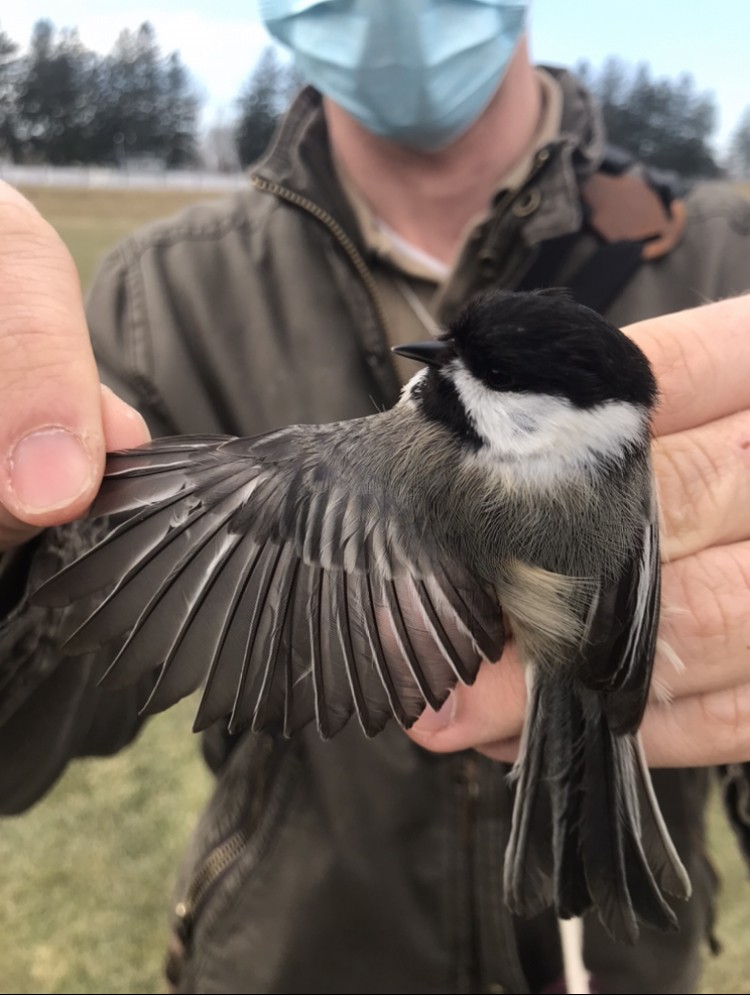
(597, 282)
(550, 257)
(604, 274)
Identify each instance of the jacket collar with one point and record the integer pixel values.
(299, 160)
(575, 154)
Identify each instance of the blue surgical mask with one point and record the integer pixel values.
(419, 72)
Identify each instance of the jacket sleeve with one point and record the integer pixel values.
(50, 707)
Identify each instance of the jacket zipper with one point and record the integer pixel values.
(346, 243)
(250, 838)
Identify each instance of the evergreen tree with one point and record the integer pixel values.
(179, 112)
(8, 89)
(148, 105)
(666, 123)
(55, 102)
(261, 102)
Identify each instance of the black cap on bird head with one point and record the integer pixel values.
(545, 342)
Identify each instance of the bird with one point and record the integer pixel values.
(365, 567)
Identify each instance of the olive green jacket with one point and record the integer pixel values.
(352, 865)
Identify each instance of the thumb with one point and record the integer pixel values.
(51, 431)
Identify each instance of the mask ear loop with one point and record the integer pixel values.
(418, 308)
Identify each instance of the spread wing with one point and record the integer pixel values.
(284, 583)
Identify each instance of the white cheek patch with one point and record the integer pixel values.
(517, 426)
(408, 389)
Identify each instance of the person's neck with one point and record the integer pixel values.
(429, 198)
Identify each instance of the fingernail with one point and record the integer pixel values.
(435, 721)
(49, 468)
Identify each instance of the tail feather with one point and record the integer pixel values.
(567, 754)
(610, 847)
(613, 870)
(660, 850)
(528, 877)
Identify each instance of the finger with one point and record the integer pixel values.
(491, 709)
(705, 623)
(703, 478)
(51, 435)
(700, 358)
(124, 427)
(700, 730)
(505, 750)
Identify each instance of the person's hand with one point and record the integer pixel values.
(702, 459)
(56, 421)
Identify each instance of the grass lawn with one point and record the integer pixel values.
(87, 873)
(91, 221)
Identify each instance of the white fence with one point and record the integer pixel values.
(103, 177)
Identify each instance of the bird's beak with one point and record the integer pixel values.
(433, 353)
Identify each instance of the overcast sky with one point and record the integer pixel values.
(220, 40)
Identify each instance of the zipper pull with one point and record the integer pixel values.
(183, 925)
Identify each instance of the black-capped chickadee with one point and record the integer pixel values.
(366, 566)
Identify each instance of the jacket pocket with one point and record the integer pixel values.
(230, 842)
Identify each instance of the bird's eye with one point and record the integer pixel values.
(500, 377)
